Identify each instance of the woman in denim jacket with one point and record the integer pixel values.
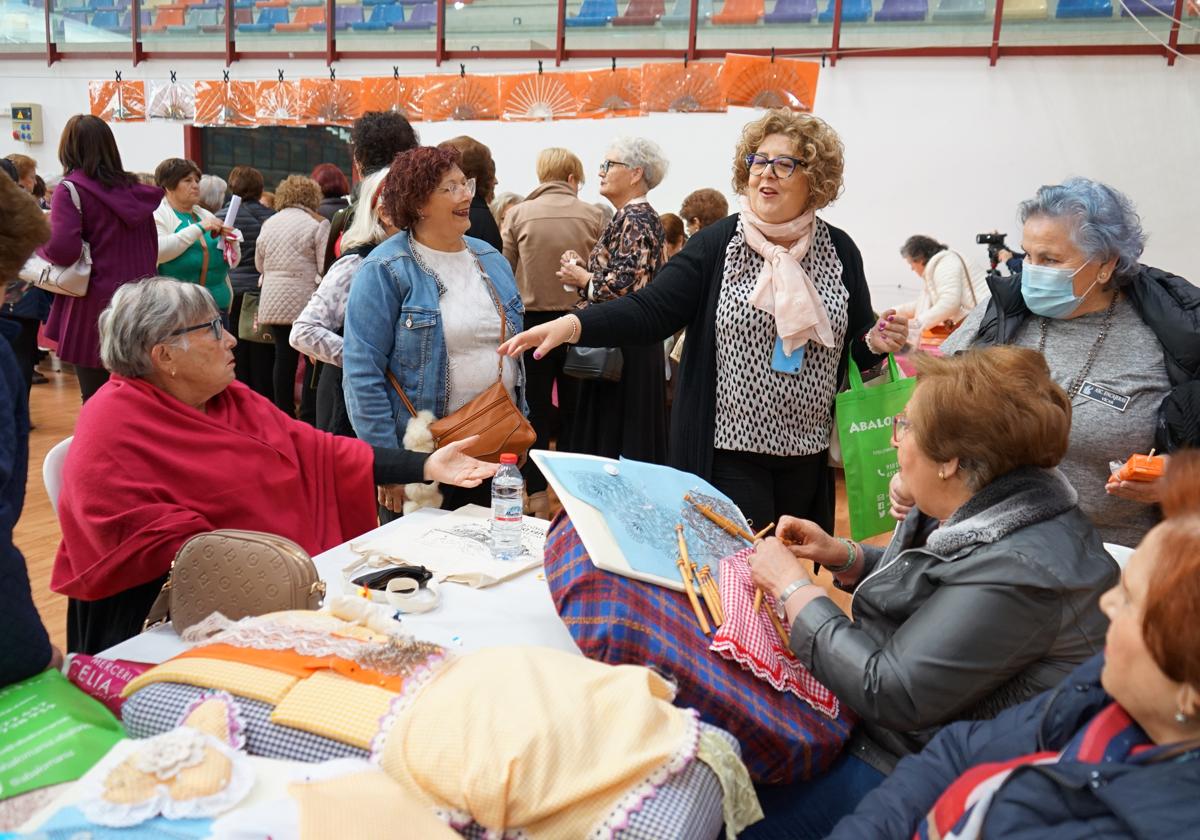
(424, 307)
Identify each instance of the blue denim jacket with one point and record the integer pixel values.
(393, 322)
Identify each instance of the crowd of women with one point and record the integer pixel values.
(996, 592)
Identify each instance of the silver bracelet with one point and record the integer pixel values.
(790, 590)
(574, 319)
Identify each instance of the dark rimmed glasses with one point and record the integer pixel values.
(215, 325)
(782, 167)
(609, 164)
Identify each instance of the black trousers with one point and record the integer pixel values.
(767, 487)
(284, 378)
(90, 380)
(549, 422)
(331, 401)
(254, 361)
(24, 345)
(93, 626)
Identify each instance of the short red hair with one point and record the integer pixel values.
(414, 176)
(331, 180)
(1173, 600)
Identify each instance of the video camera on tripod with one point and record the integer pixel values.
(995, 244)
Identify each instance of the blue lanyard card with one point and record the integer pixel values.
(781, 362)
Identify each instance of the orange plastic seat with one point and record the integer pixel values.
(739, 12)
(167, 16)
(303, 20)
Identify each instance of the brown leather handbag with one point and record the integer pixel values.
(492, 415)
(238, 574)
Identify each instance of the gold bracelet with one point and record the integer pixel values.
(574, 319)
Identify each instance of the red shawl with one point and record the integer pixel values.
(145, 472)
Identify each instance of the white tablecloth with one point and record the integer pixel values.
(516, 612)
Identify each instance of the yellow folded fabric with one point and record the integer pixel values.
(539, 740)
(364, 806)
(331, 705)
(235, 677)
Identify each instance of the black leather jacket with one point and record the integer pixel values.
(961, 621)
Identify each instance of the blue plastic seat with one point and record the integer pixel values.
(110, 20)
(344, 18)
(682, 13)
(1084, 9)
(423, 16)
(964, 10)
(853, 11)
(792, 11)
(198, 19)
(594, 13)
(267, 19)
(382, 16)
(902, 10)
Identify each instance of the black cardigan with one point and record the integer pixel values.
(684, 293)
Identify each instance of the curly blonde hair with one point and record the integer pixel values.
(816, 143)
(297, 191)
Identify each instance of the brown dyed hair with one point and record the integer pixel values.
(673, 228)
(706, 206)
(25, 227)
(297, 191)
(87, 145)
(1181, 490)
(171, 171)
(331, 180)
(815, 142)
(994, 409)
(476, 163)
(1173, 597)
(26, 165)
(412, 179)
(246, 182)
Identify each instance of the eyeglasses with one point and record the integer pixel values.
(215, 325)
(609, 164)
(466, 188)
(781, 167)
(900, 426)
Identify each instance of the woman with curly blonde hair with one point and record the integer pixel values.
(774, 301)
(290, 255)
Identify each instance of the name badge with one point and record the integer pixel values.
(1102, 395)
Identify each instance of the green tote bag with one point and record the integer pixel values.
(864, 423)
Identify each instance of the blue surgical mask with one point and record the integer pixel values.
(1049, 292)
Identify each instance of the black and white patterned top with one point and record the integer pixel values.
(758, 409)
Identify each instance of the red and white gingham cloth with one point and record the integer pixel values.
(749, 639)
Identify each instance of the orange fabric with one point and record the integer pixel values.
(461, 98)
(296, 664)
(330, 101)
(536, 96)
(278, 103)
(118, 101)
(607, 93)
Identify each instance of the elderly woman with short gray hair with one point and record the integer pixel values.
(173, 446)
(1121, 337)
(625, 418)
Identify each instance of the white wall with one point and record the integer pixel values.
(945, 147)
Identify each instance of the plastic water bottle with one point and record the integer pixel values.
(507, 501)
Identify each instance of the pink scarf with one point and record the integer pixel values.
(784, 288)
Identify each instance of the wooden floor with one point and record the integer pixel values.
(53, 409)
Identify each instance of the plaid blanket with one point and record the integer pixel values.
(621, 621)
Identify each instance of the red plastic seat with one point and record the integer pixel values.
(641, 13)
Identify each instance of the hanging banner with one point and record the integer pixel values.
(615, 92)
(682, 88)
(401, 94)
(330, 101)
(461, 98)
(277, 103)
(118, 101)
(537, 96)
(225, 103)
(754, 81)
(171, 101)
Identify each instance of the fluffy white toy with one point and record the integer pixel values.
(417, 438)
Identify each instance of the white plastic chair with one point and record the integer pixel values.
(52, 468)
(1120, 553)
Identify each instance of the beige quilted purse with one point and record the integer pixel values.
(238, 574)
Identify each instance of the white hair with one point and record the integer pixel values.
(366, 229)
(142, 315)
(638, 152)
(212, 192)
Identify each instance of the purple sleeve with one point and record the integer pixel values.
(66, 230)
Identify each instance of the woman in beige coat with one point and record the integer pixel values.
(289, 257)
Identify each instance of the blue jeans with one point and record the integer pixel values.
(809, 810)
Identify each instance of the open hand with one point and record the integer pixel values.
(451, 465)
(544, 337)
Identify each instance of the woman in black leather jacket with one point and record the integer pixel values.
(986, 595)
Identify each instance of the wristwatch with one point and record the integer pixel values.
(788, 591)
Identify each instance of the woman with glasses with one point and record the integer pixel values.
(986, 596)
(774, 301)
(174, 446)
(628, 417)
(424, 312)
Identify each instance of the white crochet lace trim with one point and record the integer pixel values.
(104, 812)
(632, 802)
(233, 716)
(461, 820)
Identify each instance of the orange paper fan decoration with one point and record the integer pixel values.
(757, 82)
(277, 103)
(393, 93)
(461, 98)
(536, 96)
(330, 101)
(686, 89)
(118, 101)
(225, 103)
(608, 93)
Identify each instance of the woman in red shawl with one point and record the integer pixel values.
(173, 446)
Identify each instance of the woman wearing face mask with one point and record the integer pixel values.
(1119, 336)
(753, 422)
